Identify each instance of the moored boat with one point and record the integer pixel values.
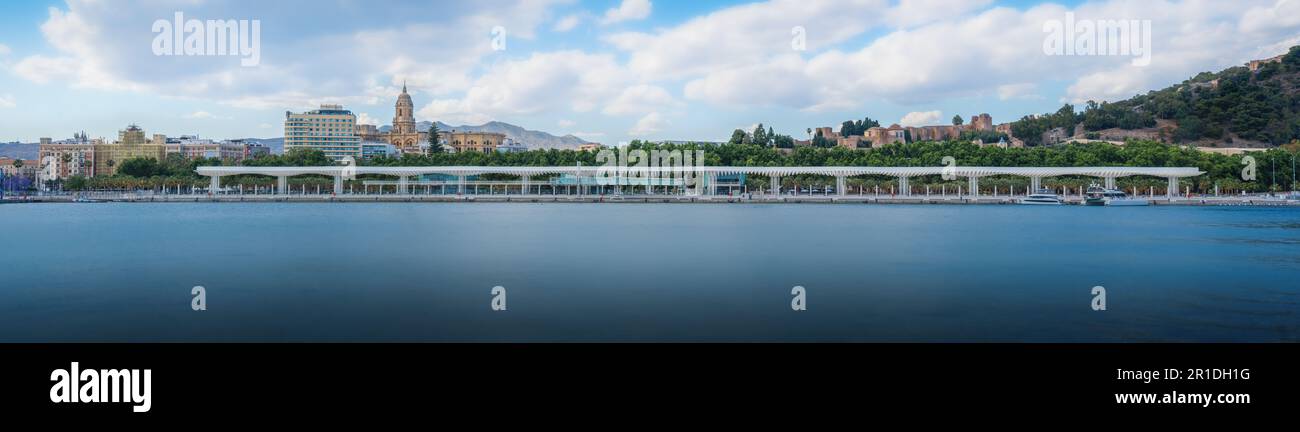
(1095, 196)
(1117, 198)
(1042, 197)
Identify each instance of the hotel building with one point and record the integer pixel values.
(131, 144)
(330, 129)
(66, 158)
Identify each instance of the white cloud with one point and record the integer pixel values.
(566, 123)
(910, 13)
(4, 50)
(1018, 91)
(741, 36)
(97, 45)
(1283, 14)
(588, 135)
(734, 56)
(639, 99)
(741, 56)
(563, 80)
(629, 10)
(781, 80)
(567, 23)
(7, 101)
(80, 60)
(364, 118)
(921, 118)
(1108, 85)
(649, 124)
(204, 115)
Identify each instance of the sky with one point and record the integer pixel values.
(608, 71)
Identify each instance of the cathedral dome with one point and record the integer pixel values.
(404, 100)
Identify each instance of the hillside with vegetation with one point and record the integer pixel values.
(1236, 107)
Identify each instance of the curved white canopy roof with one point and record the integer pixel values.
(960, 171)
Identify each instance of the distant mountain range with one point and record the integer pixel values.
(530, 138)
(20, 150)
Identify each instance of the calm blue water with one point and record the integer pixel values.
(646, 272)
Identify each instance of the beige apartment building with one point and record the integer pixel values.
(482, 142)
(131, 144)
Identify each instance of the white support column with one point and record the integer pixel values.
(974, 183)
(523, 180)
(1173, 187)
(776, 185)
(281, 185)
(460, 185)
(1110, 182)
(338, 185)
(1035, 183)
(711, 180)
(214, 187)
(840, 187)
(904, 186)
(403, 185)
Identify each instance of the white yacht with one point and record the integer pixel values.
(1117, 198)
(1042, 197)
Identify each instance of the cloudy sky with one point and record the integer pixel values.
(606, 70)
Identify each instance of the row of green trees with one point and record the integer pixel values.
(761, 137)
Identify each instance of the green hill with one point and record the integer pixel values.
(1236, 106)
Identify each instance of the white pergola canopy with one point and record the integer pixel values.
(959, 171)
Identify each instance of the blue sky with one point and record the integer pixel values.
(609, 71)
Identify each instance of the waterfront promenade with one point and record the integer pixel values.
(310, 196)
(689, 184)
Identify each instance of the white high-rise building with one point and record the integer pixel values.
(330, 129)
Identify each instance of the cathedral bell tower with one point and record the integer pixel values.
(404, 120)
